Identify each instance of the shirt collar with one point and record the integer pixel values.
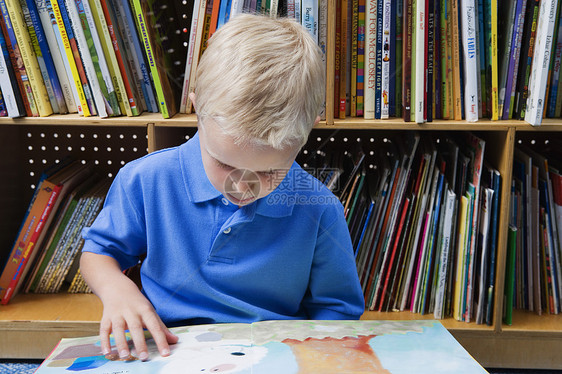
(197, 185)
(281, 201)
(199, 189)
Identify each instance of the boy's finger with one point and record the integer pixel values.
(105, 331)
(137, 334)
(171, 338)
(120, 340)
(158, 332)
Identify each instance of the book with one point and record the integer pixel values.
(111, 50)
(370, 62)
(282, 347)
(99, 100)
(44, 57)
(155, 23)
(65, 39)
(99, 61)
(509, 275)
(17, 63)
(54, 51)
(468, 25)
(541, 61)
(8, 84)
(47, 200)
(29, 58)
(419, 67)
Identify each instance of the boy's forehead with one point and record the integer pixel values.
(223, 148)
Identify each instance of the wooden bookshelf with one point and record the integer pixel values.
(31, 324)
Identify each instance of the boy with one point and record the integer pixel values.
(233, 230)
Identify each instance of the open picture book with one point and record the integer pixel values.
(285, 347)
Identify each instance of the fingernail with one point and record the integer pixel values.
(105, 351)
(143, 356)
(123, 354)
(165, 352)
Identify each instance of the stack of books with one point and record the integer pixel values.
(46, 252)
(448, 59)
(423, 216)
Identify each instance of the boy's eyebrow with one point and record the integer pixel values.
(234, 167)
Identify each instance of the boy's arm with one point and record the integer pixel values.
(124, 307)
(334, 288)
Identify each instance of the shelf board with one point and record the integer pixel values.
(528, 323)
(449, 323)
(31, 325)
(350, 123)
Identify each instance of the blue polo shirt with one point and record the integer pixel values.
(285, 256)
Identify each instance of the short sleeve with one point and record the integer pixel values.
(334, 290)
(119, 231)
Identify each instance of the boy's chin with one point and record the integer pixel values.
(240, 202)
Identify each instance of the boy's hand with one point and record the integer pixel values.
(128, 309)
(124, 308)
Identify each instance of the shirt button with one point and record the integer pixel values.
(227, 230)
(224, 201)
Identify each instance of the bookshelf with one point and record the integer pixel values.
(31, 324)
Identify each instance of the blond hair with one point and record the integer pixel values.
(262, 80)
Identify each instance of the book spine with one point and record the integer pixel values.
(385, 62)
(8, 84)
(354, 57)
(36, 208)
(29, 58)
(455, 52)
(554, 99)
(126, 99)
(82, 102)
(101, 66)
(470, 63)
(185, 104)
(429, 60)
(514, 59)
(398, 8)
(133, 56)
(361, 59)
(30, 247)
(99, 96)
(419, 107)
(141, 24)
(407, 63)
(342, 93)
(541, 61)
(378, 59)
(370, 58)
(67, 89)
(17, 63)
(43, 39)
(35, 35)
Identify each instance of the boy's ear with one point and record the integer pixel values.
(316, 121)
(192, 98)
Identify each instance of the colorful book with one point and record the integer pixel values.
(8, 84)
(370, 53)
(17, 63)
(102, 107)
(127, 101)
(98, 58)
(67, 42)
(45, 59)
(67, 89)
(468, 25)
(29, 58)
(541, 61)
(509, 286)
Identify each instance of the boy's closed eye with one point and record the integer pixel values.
(224, 166)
